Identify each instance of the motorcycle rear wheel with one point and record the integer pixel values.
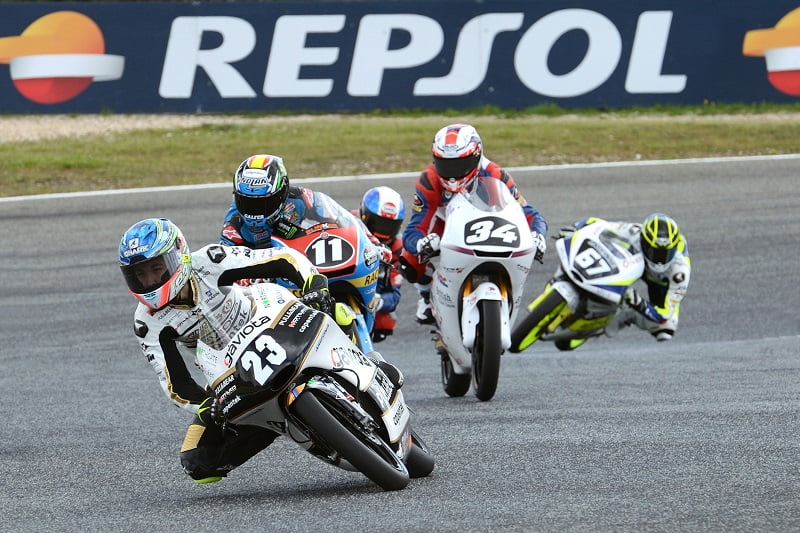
(522, 335)
(366, 452)
(487, 351)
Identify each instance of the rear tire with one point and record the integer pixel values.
(535, 320)
(372, 457)
(487, 351)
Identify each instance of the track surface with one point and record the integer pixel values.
(623, 434)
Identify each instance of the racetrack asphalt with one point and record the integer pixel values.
(623, 434)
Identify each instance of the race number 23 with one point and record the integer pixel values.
(491, 231)
(265, 354)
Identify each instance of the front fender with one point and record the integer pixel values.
(470, 314)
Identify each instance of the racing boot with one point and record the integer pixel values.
(662, 335)
(346, 320)
(424, 313)
(391, 371)
(566, 345)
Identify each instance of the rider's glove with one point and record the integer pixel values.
(377, 303)
(634, 300)
(386, 254)
(210, 412)
(541, 245)
(428, 246)
(316, 294)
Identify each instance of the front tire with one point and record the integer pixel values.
(419, 461)
(366, 452)
(529, 329)
(454, 384)
(487, 351)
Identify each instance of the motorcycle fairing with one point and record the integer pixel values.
(338, 245)
(599, 262)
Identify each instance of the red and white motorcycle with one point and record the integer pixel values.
(486, 252)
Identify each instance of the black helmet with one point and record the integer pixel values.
(260, 188)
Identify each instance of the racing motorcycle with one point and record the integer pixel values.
(338, 244)
(485, 254)
(582, 300)
(289, 368)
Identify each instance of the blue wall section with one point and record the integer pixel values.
(331, 56)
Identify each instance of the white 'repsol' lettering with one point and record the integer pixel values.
(372, 57)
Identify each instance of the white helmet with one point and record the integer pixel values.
(457, 151)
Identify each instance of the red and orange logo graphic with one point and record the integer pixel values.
(58, 56)
(780, 46)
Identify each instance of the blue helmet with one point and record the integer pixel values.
(382, 210)
(260, 189)
(155, 261)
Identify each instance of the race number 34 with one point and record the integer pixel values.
(491, 231)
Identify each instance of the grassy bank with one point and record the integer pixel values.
(208, 149)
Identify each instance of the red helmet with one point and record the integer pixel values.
(457, 151)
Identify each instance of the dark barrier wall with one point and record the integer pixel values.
(355, 56)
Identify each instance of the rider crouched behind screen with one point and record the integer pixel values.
(382, 210)
(457, 161)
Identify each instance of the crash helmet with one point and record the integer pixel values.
(155, 261)
(457, 151)
(382, 210)
(660, 238)
(260, 189)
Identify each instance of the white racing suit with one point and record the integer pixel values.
(208, 451)
(664, 290)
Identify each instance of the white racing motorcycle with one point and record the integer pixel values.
(289, 368)
(584, 296)
(486, 252)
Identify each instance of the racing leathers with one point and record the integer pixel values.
(388, 293)
(167, 335)
(659, 313)
(428, 212)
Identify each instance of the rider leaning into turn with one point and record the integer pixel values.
(666, 274)
(169, 282)
(457, 161)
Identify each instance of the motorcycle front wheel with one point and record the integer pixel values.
(529, 329)
(487, 350)
(454, 384)
(364, 450)
(419, 461)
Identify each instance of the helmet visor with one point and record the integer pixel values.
(455, 168)
(147, 276)
(258, 207)
(659, 255)
(383, 228)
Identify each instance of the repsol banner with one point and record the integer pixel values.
(67, 57)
